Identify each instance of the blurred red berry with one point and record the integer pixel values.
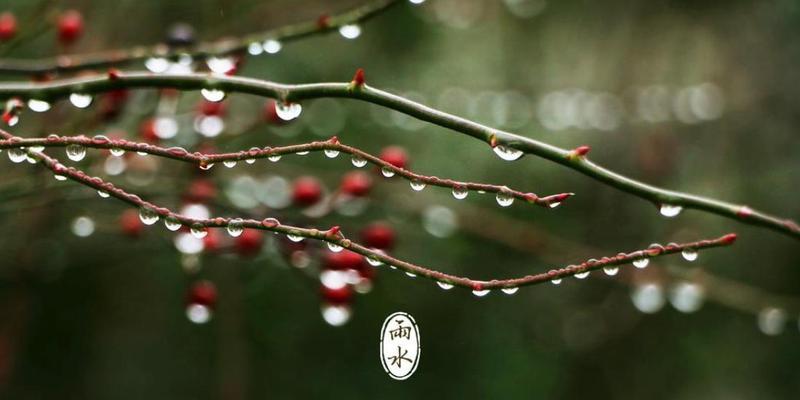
(249, 242)
(342, 295)
(356, 183)
(130, 224)
(212, 108)
(395, 155)
(343, 260)
(271, 113)
(8, 26)
(378, 235)
(212, 240)
(147, 130)
(307, 191)
(201, 191)
(70, 26)
(203, 293)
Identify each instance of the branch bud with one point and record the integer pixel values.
(493, 141)
(729, 238)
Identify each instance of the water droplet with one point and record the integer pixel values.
(103, 194)
(336, 315)
(288, 111)
(206, 167)
(444, 285)
(416, 1)
(686, 297)
(668, 210)
(12, 120)
(331, 153)
(641, 263)
(172, 223)
(358, 161)
(481, 293)
(504, 199)
(38, 105)
(417, 185)
(374, 261)
(689, 254)
(198, 231)
(157, 65)
(507, 153)
(272, 46)
(255, 49)
(771, 321)
(334, 247)
(510, 290)
(212, 95)
(554, 204)
(270, 222)
(235, 227)
(410, 274)
(302, 153)
(117, 152)
(387, 172)
(148, 216)
(229, 163)
(76, 152)
(220, 65)
(648, 298)
(274, 157)
(198, 313)
(556, 281)
(611, 270)
(80, 100)
(295, 238)
(460, 193)
(582, 275)
(35, 149)
(350, 31)
(17, 155)
(83, 227)
(59, 177)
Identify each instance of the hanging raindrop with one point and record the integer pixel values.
(334, 247)
(641, 263)
(481, 293)
(556, 281)
(172, 223)
(272, 46)
(38, 105)
(235, 227)
(294, 238)
(117, 152)
(417, 185)
(331, 153)
(288, 111)
(669, 211)
(611, 270)
(387, 172)
(689, 254)
(510, 290)
(504, 199)
(274, 157)
(198, 231)
(80, 100)
(17, 155)
(103, 194)
(157, 65)
(75, 152)
(444, 285)
(148, 216)
(229, 163)
(460, 193)
(350, 31)
(358, 161)
(582, 275)
(507, 153)
(212, 95)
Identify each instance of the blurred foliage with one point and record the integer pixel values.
(691, 95)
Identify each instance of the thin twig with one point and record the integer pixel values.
(575, 159)
(78, 62)
(334, 236)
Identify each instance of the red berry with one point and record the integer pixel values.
(147, 130)
(211, 241)
(203, 293)
(342, 295)
(8, 26)
(378, 235)
(356, 183)
(130, 224)
(212, 108)
(395, 155)
(200, 191)
(249, 242)
(70, 26)
(343, 260)
(271, 113)
(307, 191)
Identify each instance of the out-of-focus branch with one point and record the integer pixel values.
(333, 145)
(511, 145)
(152, 213)
(78, 62)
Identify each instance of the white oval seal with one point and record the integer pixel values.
(400, 346)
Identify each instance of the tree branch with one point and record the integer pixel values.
(334, 236)
(74, 63)
(575, 159)
(206, 160)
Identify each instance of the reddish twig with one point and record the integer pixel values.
(335, 237)
(206, 160)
